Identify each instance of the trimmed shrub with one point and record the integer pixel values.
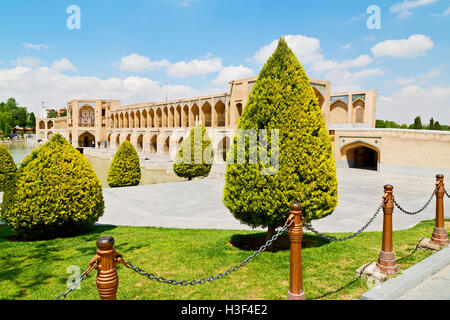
(283, 99)
(195, 156)
(125, 168)
(7, 167)
(54, 193)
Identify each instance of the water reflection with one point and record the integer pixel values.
(19, 150)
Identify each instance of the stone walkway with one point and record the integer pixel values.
(198, 204)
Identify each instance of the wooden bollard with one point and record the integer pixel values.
(439, 236)
(295, 238)
(387, 263)
(106, 258)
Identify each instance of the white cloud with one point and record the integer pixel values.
(138, 64)
(404, 9)
(64, 65)
(232, 73)
(443, 14)
(347, 46)
(421, 78)
(27, 62)
(305, 48)
(30, 86)
(415, 45)
(37, 47)
(414, 100)
(195, 67)
(343, 80)
(326, 65)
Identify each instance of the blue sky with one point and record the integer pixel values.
(128, 50)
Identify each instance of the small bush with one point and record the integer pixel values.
(7, 167)
(125, 168)
(54, 193)
(195, 155)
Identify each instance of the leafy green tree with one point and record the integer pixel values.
(54, 193)
(195, 155)
(125, 168)
(6, 122)
(52, 114)
(431, 125)
(7, 167)
(418, 123)
(260, 194)
(437, 126)
(31, 121)
(380, 124)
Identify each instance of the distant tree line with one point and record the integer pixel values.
(417, 125)
(12, 115)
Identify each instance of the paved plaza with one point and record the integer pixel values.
(198, 204)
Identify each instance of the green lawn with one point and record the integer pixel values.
(37, 270)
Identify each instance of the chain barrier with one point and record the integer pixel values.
(420, 210)
(74, 285)
(310, 228)
(152, 276)
(446, 193)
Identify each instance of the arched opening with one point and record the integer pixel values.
(171, 117)
(137, 121)
(140, 143)
(127, 120)
(129, 137)
(122, 121)
(49, 124)
(86, 116)
(319, 97)
(338, 112)
(195, 114)
(158, 118)
(154, 144)
(178, 117)
(223, 146)
(144, 119)
(358, 111)
(165, 118)
(206, 115)
(180, 141)
(132, 119)
(118, 141)
(151, 117)
(86, 140)
(108, 141)
(185, 117)
(167, 145)
(239, 112)
(219, 114)
(362, 156)
(49, 135)
(70, 137)
(41, 124)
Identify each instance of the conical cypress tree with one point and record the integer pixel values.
(125, 168)
(7, 167)
(283, 99)
(55, 192)
(195, 155)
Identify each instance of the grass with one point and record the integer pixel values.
(37, 270)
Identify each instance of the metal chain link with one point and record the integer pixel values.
(74, 285)
(310, 228)
(446, 193)
(152, 276)
(420, 210)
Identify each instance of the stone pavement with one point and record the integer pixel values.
(198, 204)
(427, 280)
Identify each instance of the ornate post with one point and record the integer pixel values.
(440, 234)
(295, 238)
(386, 260)
(107, 260)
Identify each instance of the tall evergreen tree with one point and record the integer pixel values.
(418, 123)
(431, 126)
(283, 99)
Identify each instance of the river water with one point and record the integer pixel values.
(19, 150)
